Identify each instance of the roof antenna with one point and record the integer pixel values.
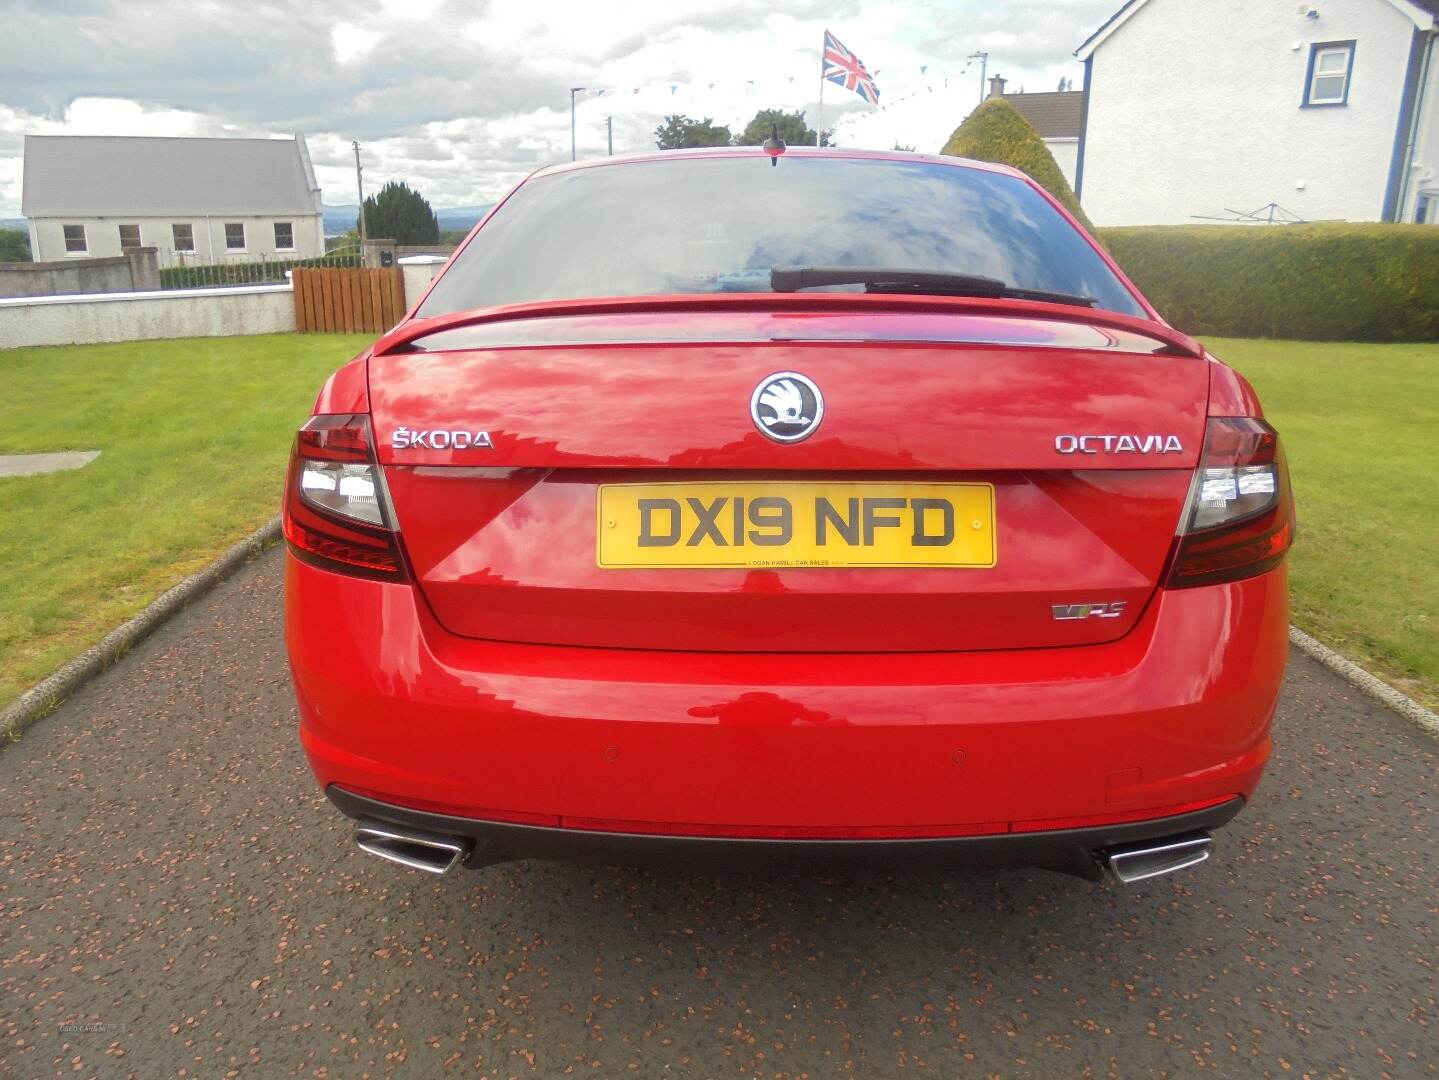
(774, 145)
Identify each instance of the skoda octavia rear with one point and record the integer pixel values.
(835, 507)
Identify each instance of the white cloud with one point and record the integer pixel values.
(462, 105)
(109, 116)
(352, 42)
(410, 9)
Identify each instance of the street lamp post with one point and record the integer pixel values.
(983, 58)
(573, 91)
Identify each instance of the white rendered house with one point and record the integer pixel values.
(1327, 109)
(195, 200)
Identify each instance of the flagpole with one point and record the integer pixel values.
(819, 128)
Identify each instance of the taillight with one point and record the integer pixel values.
(337, 512)
(1240, 516)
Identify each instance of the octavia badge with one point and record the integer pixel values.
(786, 406)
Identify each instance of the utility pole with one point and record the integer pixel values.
(610, 135)
(360, 194)
(573, 91)
(983, 58)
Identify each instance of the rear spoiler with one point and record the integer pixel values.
(413, 329)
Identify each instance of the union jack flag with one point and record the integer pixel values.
(843, 67)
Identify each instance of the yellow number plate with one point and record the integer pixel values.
(795, 524)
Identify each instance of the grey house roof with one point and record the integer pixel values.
(111, 175)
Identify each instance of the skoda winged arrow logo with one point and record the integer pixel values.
(786, 406)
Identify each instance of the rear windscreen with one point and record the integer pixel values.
(706, 225)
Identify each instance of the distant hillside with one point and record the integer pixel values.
(340, 219)
(461, 217)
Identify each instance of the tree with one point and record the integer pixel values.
(791, 127)
(402, 215)
(14, 245)
(679, 132)
(997, 132)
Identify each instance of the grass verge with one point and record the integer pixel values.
(193, 435)
(1360, 424)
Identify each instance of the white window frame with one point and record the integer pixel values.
(244, 238)
(1317, 52)
(275, 226)
(120, 233)
(174, 240)
(84, 248)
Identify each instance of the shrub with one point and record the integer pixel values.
(14, 245)
(1319, 282)
(679, 132)
(400, 214)
(791, 127)
(245, 273)
(997, 132)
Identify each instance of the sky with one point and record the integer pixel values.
(463, 98)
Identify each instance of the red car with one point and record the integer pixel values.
(793, 507)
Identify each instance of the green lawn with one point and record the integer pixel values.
(1361, 426)
(193, 436)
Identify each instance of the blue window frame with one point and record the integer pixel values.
(1331, 67)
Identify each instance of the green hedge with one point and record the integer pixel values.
(997, 131)
(1322, 282)
(244, 273)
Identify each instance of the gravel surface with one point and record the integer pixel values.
(177, 899)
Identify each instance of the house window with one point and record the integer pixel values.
(184, 235)
(1424, 208)
(235, 236)
(75, 240)
(284, 236)
(1330, 65)
(129, 237)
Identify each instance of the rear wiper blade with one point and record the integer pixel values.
(881, 280)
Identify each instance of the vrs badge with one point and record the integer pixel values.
(786, 406)
(1070, 612)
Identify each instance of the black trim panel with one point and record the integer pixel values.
(1070, 851)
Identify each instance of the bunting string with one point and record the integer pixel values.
(931, 80)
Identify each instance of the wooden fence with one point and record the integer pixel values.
(348, 300)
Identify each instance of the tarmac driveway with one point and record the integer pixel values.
(177, 899)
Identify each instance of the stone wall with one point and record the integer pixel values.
(135, 271)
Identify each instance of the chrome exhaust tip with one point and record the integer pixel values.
(414, 848)
(1133, 863)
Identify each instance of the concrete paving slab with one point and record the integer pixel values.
(40, 464)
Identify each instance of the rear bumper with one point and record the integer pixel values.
(824, 747)
(1071, 851)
